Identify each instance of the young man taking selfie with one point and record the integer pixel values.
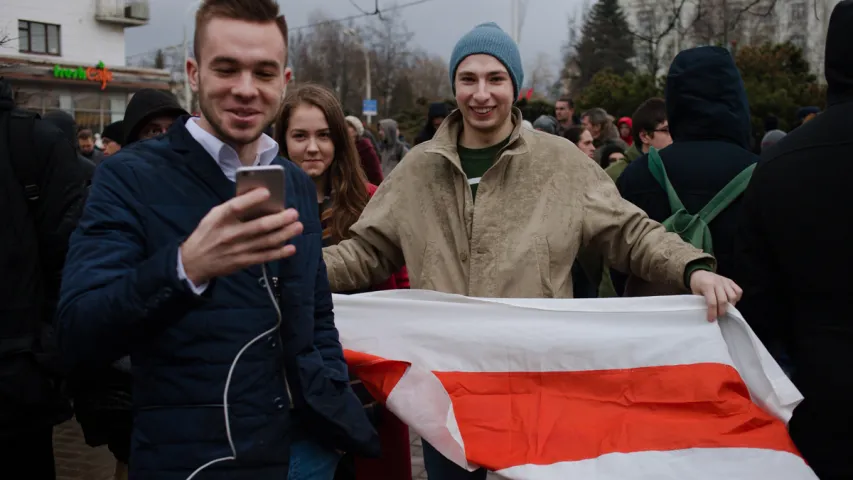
(162, 268)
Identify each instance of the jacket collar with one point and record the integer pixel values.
(198, 160)
(446, 139)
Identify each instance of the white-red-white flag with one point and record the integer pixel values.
(577, 389)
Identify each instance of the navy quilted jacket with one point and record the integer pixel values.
(121, 295)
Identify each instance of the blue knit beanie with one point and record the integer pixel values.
(489, 39)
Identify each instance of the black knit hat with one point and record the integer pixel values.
(145, 105)
(115, 132)
(607, 150)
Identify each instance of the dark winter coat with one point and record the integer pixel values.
(794, 258)
(32, 253)
(121, 294)
(96, 390)
(708, 116)
(68, 126)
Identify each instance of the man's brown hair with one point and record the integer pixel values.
(84, 133)
(647, 117)
(568, 100)
(258, 11)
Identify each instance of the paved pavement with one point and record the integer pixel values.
(418, 471)
(77, 461)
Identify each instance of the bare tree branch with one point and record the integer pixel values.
(364, 12)
(676, 16)
(652, 34)
(748, 8)
(4, 39)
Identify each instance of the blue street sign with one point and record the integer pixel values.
(369, 108)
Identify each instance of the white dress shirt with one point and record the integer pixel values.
(226, 157)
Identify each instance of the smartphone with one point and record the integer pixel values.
(270, 177)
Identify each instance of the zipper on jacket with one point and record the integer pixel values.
(277, 294)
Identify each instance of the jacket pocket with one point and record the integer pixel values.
(427, 270)
(543, 263)
(333, 410)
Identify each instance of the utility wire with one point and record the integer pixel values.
(376, 12)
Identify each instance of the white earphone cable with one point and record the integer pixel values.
(233, 455)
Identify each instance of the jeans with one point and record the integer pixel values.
(440, 468)
(311, 461)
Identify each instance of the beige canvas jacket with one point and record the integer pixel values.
(536, 206)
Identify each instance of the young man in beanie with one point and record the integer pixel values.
(489, 209)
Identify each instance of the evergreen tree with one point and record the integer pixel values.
(606, 42)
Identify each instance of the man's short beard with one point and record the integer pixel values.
(212, 121)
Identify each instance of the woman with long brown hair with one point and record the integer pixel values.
(312, 133)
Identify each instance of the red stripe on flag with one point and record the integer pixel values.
(518, 418)
(378, 375)
(510, 419)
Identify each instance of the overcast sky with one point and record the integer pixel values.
(437, 24)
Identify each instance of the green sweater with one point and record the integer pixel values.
(475, 162)
(616, 169)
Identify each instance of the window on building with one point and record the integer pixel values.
(798, 12)
(90, 108)
(37, 100)
(37, 37)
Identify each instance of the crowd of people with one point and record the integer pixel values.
(132, 281)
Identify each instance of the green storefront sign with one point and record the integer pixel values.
(99, 73)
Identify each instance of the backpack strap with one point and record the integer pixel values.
(659, 172)
(27, 164)
(727, 195)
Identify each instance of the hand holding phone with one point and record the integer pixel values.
(250, 229)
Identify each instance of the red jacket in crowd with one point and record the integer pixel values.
(369, 161)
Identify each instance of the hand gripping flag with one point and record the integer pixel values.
(615, 389)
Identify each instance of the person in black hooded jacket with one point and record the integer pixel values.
(150, 113)
(437, 113)
(793, 254)
(68, 126)
(33, 243)
(709, 121)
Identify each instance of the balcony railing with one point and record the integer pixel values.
(123, 12)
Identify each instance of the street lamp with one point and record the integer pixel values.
(352, 33)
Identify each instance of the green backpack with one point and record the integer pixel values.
(693, 229)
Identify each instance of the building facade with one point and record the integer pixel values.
(665, 27)
(69, 55)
